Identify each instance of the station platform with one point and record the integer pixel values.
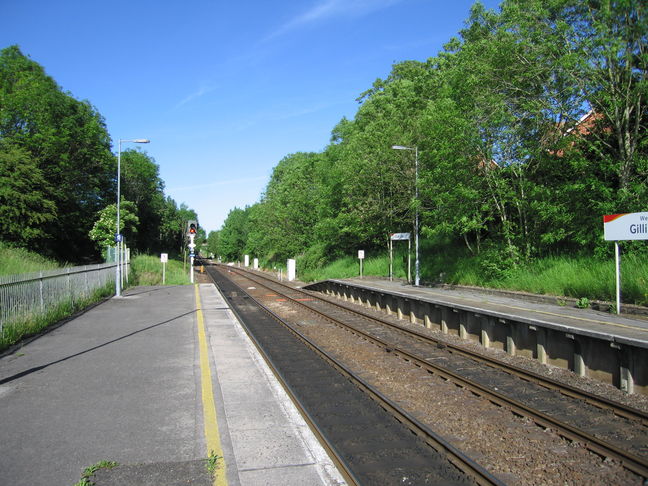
(156, 381)
(607, 347)
(622, 328)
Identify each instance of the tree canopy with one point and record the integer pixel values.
(529, 126)
(58, 174)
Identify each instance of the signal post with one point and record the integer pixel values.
(191, 232)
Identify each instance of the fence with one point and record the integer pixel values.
(31, 294)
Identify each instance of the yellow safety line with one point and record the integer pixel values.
(212, 436)
(606, 323)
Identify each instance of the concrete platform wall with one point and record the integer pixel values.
(623, 366)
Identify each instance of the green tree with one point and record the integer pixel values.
(67, 141)
(213, 243)
(25, 207)
(141, 184)
(234, 234)
(103, 230)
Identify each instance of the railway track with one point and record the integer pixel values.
(373, 440)
(608, 429)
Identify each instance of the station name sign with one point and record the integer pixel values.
(628, 226)
(399, 236)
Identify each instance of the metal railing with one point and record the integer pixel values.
(29, 295)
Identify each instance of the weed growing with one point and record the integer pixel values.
(212, 463)
(86, 476)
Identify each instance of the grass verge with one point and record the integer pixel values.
(18, 329)
(563, 276)
(147, 270)
(18, 260)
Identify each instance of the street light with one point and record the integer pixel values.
(416, 217)
(118, 236)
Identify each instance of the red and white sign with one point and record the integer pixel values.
(628, 226)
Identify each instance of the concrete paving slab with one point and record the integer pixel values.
(269, 447)
(267, 412)
(270, 441)
(281, 476)
(239, 393)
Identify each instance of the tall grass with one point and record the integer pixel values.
(147, 270)
(581, 277)
(563, 276)
(18, 260)
(348, 267)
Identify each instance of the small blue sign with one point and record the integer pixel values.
(192, 255)
(119, 238)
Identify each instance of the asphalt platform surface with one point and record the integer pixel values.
(122, 382)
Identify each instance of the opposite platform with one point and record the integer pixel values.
(606, 347)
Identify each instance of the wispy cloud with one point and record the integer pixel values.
(218, 183)
(331, 9)
(202, 91)
(278, 114)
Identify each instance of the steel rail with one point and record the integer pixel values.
(437, 442)
(600, 402)
(330, 448)
(632, 462)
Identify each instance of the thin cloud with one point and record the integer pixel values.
(331, 9)
(277, 115)
(202, 91)
(218, 183)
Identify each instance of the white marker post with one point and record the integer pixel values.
(292, 270)
(361, 257)
(619, 227)
(164, 258)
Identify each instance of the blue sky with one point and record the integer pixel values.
(225, 89)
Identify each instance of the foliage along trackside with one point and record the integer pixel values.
(530, 125)
(571, 276)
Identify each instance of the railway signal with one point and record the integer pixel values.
(192, 227)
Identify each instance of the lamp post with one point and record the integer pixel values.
(118, 236)
(416, 216)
